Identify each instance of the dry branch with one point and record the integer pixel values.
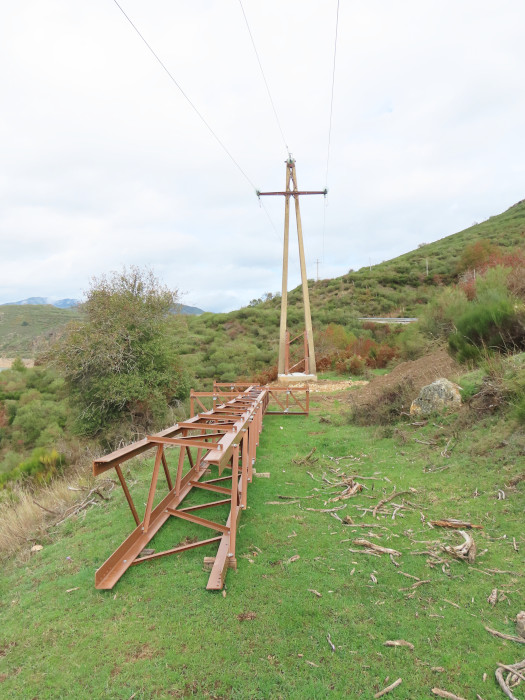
(388, 688)
(503, 684)
(445, 694)
(387, 500)
(377, 548)
(455, 524)
(398, 643)
(465, 551)
(520, 640)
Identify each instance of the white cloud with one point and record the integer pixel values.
(103, 163)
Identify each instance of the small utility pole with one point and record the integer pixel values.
(317, 263)
(293, 191)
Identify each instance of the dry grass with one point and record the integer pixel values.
(26, 513)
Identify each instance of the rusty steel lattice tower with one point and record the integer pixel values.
(292, 190)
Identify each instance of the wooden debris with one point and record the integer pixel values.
(384, 501)
(455, 524)
(445, 694)
(493, 597)
(388, 688)
(332, 645)
(70, 590)
(414, 585)
(311, 663)
(514, 674)
(326, 510)
(291, 559)
(262, 475)
(465, 551)
(370, 546)
(520, 623)
(308, 459)
(316, 593)
(520, 640)
(398, 643)
(281, 503)
(351, 490)
(514, 669)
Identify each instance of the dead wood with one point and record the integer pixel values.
(445, 694)
(514, 669)
(465, 551)
(326, 510)
(415, 585)
(388, 688)
(504, 683)
(308, 459)
(455, 524)
(350, 491)
(377, 548)
(387, 500)
(398, 643)
(520, 640)
(280, 503)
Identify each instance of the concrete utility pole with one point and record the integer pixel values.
(293, 191)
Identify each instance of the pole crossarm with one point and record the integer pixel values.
(225, 437)
(292, 193)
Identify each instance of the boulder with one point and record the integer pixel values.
(437, 396)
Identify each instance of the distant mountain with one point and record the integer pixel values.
(73, 303)
(190, 310)
(37, 301)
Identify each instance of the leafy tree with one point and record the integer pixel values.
(120, 362)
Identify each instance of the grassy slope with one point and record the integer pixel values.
(158, 633)
(400, 286)
(24, 328)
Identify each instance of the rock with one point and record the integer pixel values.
(435, 397)
(520, 623)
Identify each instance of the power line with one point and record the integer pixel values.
(201, 117)
(332, 96)
(264, 77)
(330, 120)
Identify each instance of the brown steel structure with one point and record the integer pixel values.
(284, 337)
(223, 437)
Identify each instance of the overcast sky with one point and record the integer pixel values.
(103, 163)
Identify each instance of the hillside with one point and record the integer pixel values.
(25, 329)
(245, 341)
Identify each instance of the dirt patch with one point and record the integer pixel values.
(6, 362)
(416, 373)
(327, 385)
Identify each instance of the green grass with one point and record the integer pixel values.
(159, 633)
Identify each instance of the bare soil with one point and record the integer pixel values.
(420, 372)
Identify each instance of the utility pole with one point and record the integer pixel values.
(293, 191)
(317, 263)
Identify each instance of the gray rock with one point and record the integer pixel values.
(437, 396)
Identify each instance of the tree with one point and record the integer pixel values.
(120, 361)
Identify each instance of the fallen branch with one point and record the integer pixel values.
(520, 640)
(445, 694)
(388, 688)
(377, 548)
(513, 668)
(455, 524)
(398, 643)
(387, 500)
(465, 551)
(326, 510)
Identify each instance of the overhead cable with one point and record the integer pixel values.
(201, 117)
(330, 120)
(264, 78)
